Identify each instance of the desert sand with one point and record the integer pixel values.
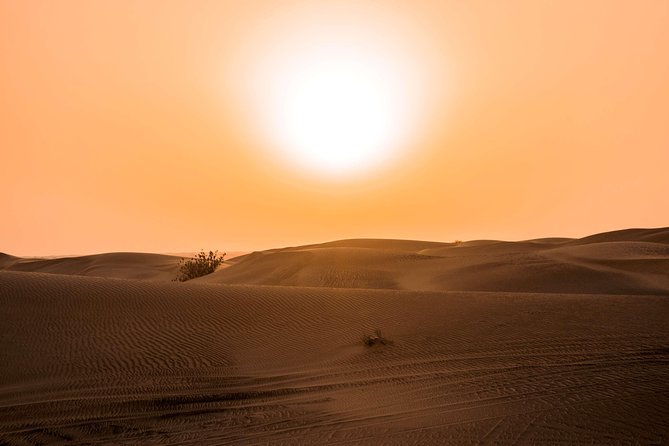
(538, 342)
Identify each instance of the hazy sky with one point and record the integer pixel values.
(139, 126)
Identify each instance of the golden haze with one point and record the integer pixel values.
(121, 128)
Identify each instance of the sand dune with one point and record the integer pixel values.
(621, 262)
(658, 235)
(278, 357)
(95, 360)
(633, 261)
(127, 265)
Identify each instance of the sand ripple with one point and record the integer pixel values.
(90, 360)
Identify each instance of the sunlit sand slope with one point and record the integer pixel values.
(621, 262)
(92, 360)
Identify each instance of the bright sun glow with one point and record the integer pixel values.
(337, 111)
(335, 98)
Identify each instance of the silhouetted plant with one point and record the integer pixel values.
(375, 339)
(198, 266)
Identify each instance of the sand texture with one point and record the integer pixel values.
(278, 357)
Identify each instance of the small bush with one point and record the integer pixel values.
(375, 339)
(198, 266)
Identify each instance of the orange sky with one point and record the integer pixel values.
(122, 128)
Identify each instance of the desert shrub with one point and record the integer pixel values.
(198, 266)
(375, 339)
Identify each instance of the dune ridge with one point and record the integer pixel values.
(620, 262)
(631, 261)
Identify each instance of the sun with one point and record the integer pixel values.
(336, 111)
(333, 98)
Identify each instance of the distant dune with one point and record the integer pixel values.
(567, 343)
(125, 265)
(621, 262)
(633, 261)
